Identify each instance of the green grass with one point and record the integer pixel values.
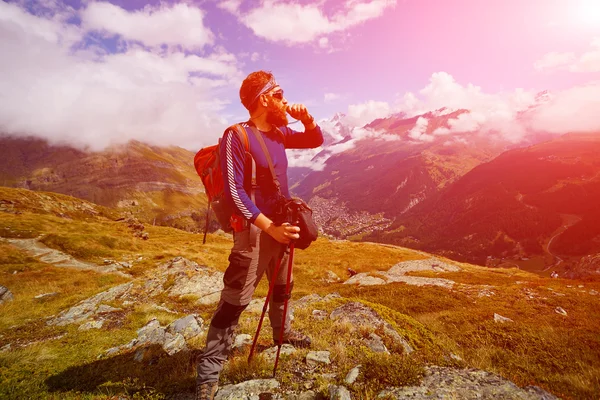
(540, 347)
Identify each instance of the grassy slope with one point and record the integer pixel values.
(541, 347)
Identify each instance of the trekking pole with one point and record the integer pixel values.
(287, 288)
(264, 310)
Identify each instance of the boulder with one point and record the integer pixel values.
(89, 307)
(499, 318)
(375, 343)
(271, 353)
(450, 383)
(90, 325)
(248, 390)
(5, 295)
(338, 393)
(357, 314)
(352, 375)
(314, 358)
(189, 326)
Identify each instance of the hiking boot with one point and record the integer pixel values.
(206, 391)
(296, 339)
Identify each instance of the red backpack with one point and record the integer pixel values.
(208, 166)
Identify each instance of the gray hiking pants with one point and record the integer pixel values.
(247, 263)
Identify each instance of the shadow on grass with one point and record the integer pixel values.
(157, 374)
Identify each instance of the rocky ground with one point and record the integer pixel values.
(181, 277)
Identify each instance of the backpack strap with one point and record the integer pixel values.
(263, 146)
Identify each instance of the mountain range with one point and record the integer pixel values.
(475, 197)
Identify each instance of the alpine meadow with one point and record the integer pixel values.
(447, 152)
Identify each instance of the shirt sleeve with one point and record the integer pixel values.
(302, 140)
(233, 156)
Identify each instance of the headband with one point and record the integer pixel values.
(268, 86)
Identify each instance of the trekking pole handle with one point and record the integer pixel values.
(297, 204)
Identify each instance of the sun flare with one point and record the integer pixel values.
(589, 12)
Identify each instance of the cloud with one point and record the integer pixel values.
(586, 62)
(362, 114)
(419, 131)
(485, 113)
(179, 24)
(295, 23)
(62, 90)
(574, 109)
(331, 97)
(554, 60)
(508, 115)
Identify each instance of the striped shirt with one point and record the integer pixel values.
(236, 169)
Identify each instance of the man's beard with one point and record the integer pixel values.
(277, 116)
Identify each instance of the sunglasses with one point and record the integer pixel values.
(277, 94)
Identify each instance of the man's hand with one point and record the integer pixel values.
(284, 233)
(300, 112)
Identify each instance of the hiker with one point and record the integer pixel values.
(259, 242)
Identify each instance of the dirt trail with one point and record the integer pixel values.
(57, 258)
(568, 221)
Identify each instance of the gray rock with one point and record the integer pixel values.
(319, 315)
(499, 318)
(331, 277)
(151, 333)
(139, 354)
(111, 351)
(352, 375)
(105, 309)
(189, 326)
(188, 278)
(357, 314)
(256, 306)
(338, 393)
(332, 296)
(86, 308)
(308, 395)
(271, 353)
(429, 264)
(90, 325)
(174, 343)
(397, 273)
(468, 384)
(561, 311)
(5, 295)
(247, 390)
(364, 279)
(242, 341)
(45, 295)
(306, 300)
(314, 358)
(375, 343)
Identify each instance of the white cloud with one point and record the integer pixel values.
(294, 23)
(486, 112)
(362, 114)
(586, 62)
(331, 97)
(59, 92)
(574, 109)
(509, 115)
(418, 132)
(179, 24)
(554, 60)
